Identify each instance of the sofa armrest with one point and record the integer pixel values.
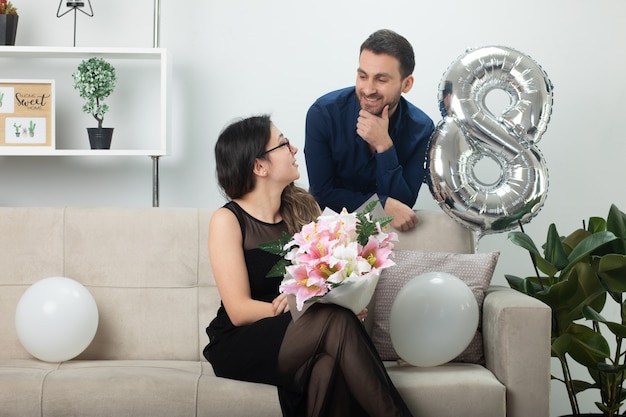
(516, 336)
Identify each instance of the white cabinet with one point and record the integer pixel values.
(138, 105)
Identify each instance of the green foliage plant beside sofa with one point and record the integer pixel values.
(576, 276)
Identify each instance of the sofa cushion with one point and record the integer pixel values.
(476, 270)
(453, 389)
(122, 388)
(21, 386)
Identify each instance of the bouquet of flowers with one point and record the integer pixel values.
(336, 259)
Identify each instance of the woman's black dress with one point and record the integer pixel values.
(250, 353)
(324, 364)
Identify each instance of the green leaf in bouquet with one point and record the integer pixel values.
(277, 247)
(278, 270)
(366, 226)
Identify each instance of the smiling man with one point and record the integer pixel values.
(368, 139)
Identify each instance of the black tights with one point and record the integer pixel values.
(335, 366)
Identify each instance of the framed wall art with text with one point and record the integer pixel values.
(27, 113)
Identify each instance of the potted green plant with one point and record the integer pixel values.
(575, 276)
(8, 23)
(95, 80)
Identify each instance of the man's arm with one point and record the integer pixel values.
(398, 182)
(404, 218)
(321, 167)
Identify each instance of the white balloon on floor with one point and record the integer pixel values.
(56, 319)
(433, 319)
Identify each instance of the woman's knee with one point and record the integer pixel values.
(336, 312)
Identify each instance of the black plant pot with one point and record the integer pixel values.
(8, 29)
(100, 138)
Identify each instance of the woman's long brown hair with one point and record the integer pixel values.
(237, 147)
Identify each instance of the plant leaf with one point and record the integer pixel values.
(616, 223)
(586, 346)
(528, 286)
(278, 270)
(367, 227)
(554, 250)
(617, 329)
(277, 247)
(524, 241)
(580, 386)
(596, 224)
(612, 270)
(506, 221)
(587, 246)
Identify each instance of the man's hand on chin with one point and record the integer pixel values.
(404, 218)
(374, 130)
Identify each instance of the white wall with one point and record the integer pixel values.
(241, 57)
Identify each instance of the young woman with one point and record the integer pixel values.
(324, 364)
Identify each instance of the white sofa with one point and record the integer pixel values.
(149, 273)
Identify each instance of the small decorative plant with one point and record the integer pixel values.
(95, 80)
(7, 8)
(31, 129)
(580, 273)
(17, 129)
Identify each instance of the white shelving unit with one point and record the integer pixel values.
(32, 62)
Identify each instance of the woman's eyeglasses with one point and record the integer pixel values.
(285, 143)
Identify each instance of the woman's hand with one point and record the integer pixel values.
(280, 304)
(362, 315)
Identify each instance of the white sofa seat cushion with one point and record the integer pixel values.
(122, 388)
(235, 398)
(21, 382)
(473, 391)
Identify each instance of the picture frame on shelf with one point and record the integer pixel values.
(27, 113)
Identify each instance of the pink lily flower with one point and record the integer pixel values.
(303, 286)
(378, 257)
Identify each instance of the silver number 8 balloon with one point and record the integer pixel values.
(470, 133)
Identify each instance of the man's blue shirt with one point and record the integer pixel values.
(342, 170)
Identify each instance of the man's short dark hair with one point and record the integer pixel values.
(388, 42)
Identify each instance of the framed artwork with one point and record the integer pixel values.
(27, 113)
